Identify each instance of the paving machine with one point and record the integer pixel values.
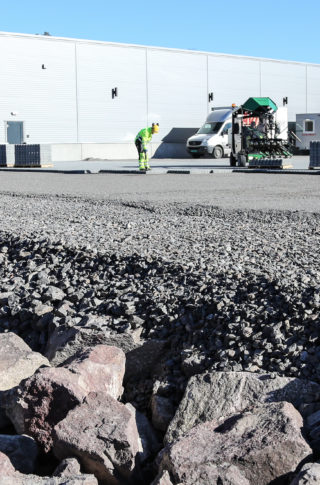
(259, 137)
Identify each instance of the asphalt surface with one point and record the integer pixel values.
(202, 165)
(227, 190)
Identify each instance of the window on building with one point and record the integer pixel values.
(308, 126)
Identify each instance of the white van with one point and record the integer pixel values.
(212, 137)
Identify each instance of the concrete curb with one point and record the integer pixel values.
(183, 172)
(45, 170)
(134, 171)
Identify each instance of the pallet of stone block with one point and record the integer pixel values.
(31, 156)
(269, 163)
(3, 156)
(314, 161)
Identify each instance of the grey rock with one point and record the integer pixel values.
(17, 361)
(162, 478)
(65, 342)
(162, 412)
(42, 309)
(309, 475)
(54, 294)
(263, 445)
(67, 467)
(220, 394)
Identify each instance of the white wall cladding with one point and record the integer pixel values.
(43, 98)
(177, 90)
(233, 80)
(101, 68)
(70, 101)
(284, 79)
(313, 90)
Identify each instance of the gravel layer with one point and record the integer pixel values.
(228, 289)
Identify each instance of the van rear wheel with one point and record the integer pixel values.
(217, 152)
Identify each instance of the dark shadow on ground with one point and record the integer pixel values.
(184, 166)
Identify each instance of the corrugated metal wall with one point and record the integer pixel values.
(44, 99)
(177, 90)
(69, 101)
(103, 119)
(233, 80)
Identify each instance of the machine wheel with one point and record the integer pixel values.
(217, 152)
(242, 160)
(195, 155)
(233, 160)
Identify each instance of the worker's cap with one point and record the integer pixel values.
(155, 127)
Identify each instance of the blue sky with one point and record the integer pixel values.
(281, 29)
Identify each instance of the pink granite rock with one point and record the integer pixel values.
(102, 434)
(259, 445)
(6, 467)
(99, 369)
(41, 402)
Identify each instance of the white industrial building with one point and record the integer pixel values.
(89, 98)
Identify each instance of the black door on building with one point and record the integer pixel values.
(15, 132)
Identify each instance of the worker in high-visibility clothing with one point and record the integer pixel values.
(142, 139)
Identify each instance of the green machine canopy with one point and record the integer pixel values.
(260, 105)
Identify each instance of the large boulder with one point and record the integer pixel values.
(65, 341)
(214, 395)
(44, 399)
(41, 402)
(6, 467)
(17, 360)
(19, 479)
(21, 450)
(255, 447)
(309, 475)
(99, 369)
(102, 434)
(65, 475)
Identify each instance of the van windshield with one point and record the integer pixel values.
(213, 127)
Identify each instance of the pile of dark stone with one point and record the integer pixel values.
(183, 290)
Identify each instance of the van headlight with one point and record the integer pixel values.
(204, 143)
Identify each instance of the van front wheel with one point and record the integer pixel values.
(217, 152)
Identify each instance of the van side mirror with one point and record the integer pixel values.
(236, 129)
